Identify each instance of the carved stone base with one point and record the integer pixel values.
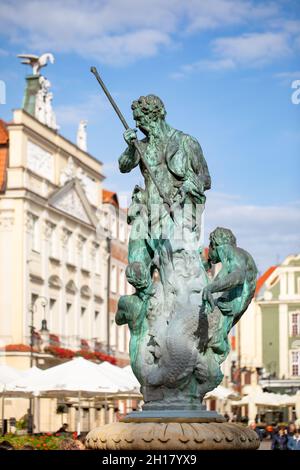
(172, 436)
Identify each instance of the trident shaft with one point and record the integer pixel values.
(136, 145)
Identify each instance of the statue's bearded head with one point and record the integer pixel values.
(147, 112)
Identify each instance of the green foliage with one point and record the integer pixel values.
(21, 424)
(41, 442)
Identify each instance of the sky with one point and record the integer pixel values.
(225, 71)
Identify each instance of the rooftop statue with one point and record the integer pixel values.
(37, 99)
(37, 62)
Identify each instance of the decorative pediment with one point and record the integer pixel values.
(85, 291)
(55, 282)
(71, 287)
(72, 200)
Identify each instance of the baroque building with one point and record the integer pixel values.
(268, 335)
(63, 254)
(115, 218)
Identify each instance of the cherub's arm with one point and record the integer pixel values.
(232, 274)
(120, 318)
(227, 282)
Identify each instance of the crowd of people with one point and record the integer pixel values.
(286, 438)
(282, 437)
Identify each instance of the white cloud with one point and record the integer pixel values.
(113, 31)
(219, 64)
(269, 233)
(118, 31)
(219, 13)
(287, 77)
(246, 50)
(252, 49)
(72, 114)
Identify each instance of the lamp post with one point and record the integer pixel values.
(32, 309)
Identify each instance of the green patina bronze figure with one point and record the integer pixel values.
(179, 318)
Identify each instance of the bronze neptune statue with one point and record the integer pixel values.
(179, 318)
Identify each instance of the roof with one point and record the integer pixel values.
(4, 137)
(262, 279)
(110, 197)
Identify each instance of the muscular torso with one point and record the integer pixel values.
(154, 153)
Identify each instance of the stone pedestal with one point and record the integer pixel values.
(172, 434)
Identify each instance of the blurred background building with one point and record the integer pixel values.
(63, 241)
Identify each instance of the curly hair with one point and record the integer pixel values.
(150, 104)
(222, 236)
(137, 275)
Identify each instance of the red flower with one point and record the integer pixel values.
(18, 348)
(60, 352)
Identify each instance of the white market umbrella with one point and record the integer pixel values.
(123, 376)
(7, 375)
(267, 399)
(221, 393)
(78, 377)
(27, 384)
(131, 377)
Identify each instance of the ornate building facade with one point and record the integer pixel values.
(60, 277)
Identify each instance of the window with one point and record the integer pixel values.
(68, 308)
(295, 323)
(70, 247)
(35, 234)
(96, 324)
(84, 323)
(53, 318)
(33, 298)
(114, 227)
(122, 285)
(53, 241)
(295, 363)
(97, 258)
(84, 253)
(122, 232)
(113, 279)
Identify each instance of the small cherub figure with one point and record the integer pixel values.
(236, 280)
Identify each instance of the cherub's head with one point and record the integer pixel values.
(147, 110)
(138, 275)
(219, 237)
